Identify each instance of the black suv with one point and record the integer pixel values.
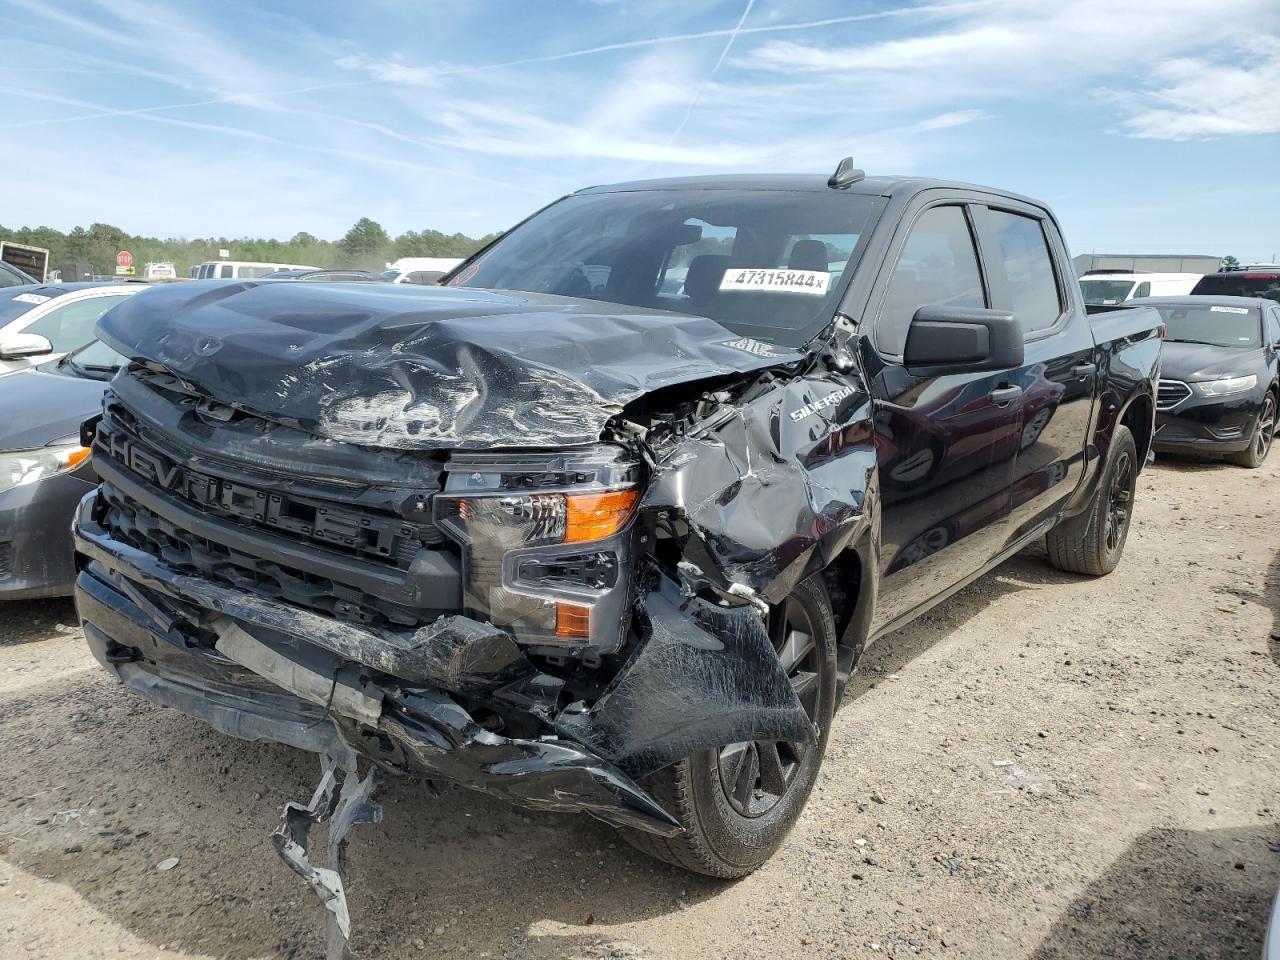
(1258, 280)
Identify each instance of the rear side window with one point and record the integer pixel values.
(1028, 267)
(938, 265)
(10, 279)
(1239, 284)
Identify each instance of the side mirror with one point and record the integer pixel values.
(20, 346)
(945, 339)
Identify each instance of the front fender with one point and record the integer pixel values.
(774, 488)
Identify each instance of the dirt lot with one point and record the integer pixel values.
(1068, 768)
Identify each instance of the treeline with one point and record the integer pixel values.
(365, 246)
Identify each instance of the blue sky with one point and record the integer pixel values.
(1150, 126)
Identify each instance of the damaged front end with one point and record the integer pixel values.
(548, 627)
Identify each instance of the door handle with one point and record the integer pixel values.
(1003, 396)
(1084, 369)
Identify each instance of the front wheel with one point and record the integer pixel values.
(1092, 542)
(737, 803)
(1263, 432)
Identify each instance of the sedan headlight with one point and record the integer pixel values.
(545, 539)
(1225, 386)
(19, 467)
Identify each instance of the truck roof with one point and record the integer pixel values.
(885, 186)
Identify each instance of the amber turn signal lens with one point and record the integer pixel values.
(594, 516)
(573, 622)
(77, 457)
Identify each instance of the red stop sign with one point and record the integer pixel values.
(124, 259)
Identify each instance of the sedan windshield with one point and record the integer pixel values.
(1105, 292)
(94, 357)
(771, 264)
(1221, 326)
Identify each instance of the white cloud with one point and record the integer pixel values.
(955, 118)
(1189, 98)
(1012, 50)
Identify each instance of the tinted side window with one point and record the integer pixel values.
(1273, 325)
(71, 326)
(938, 265)
(10, 279)
(1144, 290)
(1028, 267)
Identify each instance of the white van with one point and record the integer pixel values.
(1103, 288)
(419, 269)
(241, 269)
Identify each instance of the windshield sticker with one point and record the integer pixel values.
(785, 281)
(1229, 310)
(31, 298)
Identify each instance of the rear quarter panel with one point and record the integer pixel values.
(1129, 346)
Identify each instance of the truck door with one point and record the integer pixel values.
(944, 444)
(1027, 267)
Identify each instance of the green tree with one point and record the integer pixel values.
(366, 244)
(1229, 262)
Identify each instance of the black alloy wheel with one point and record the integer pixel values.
(1266, 431)
(1120, 500)
(755, 775)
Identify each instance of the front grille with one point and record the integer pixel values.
(372, 557)
(352, 530)
(1171, 393)
(185, 552)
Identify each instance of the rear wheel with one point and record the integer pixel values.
(1093, 541)
(1263, 433)
(736, 803)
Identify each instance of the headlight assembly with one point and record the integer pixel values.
(544, 537)
(1225, 386)
(20, 467)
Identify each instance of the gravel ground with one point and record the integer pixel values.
(1045, 766)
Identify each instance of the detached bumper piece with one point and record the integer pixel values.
(344, 803)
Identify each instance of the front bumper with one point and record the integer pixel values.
(1209, 425)
(260, 669)
(36, 555)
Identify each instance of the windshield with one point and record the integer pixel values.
(1105, 292)
(766, 263)
(1242, 284)
(95, 357)
(1217, 325)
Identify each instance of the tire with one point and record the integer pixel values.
(1263, 432)
(1092, 542)
(726, 836)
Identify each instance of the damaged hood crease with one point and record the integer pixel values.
(425, 368)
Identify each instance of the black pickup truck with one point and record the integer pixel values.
(603, 522)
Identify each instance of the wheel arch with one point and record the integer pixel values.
(1139, 417)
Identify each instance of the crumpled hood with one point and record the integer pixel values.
(1192, 362)
(423, 367)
